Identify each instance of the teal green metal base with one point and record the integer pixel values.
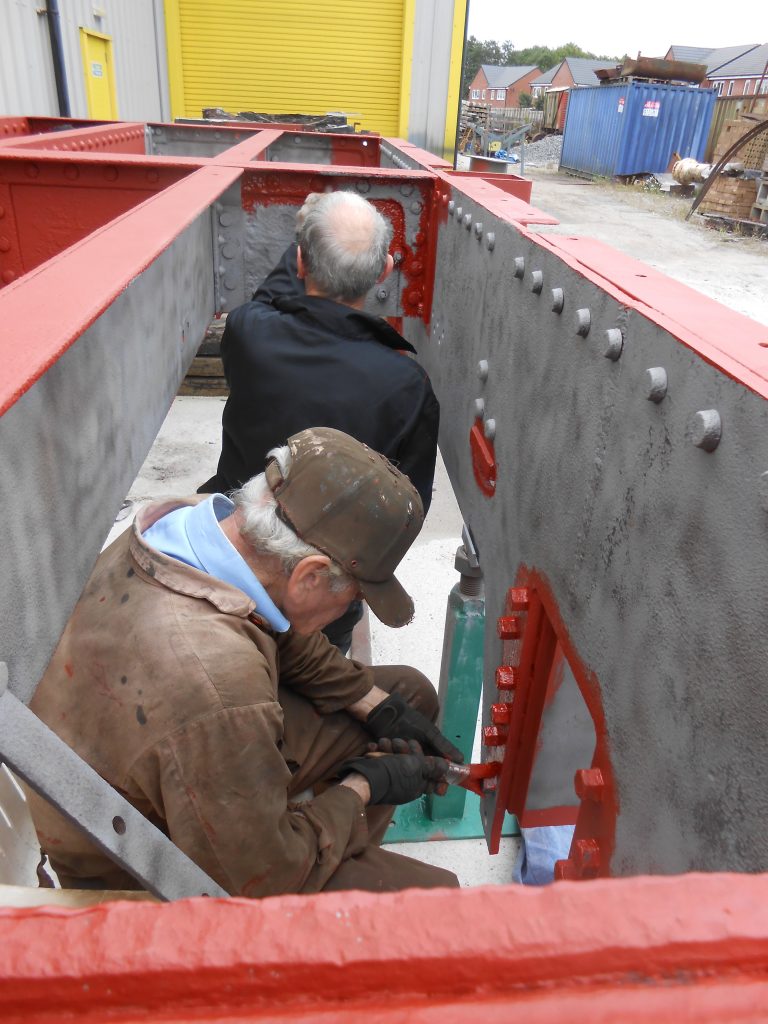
(412, 824)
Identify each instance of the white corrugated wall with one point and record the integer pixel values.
(27, 84)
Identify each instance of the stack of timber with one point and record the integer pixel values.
(206, 374)
(760, 209)
(735, 197)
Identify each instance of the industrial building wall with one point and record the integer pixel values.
(438, 44)
(393, 66)
(137, 33)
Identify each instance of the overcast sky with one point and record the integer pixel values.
(618, 27)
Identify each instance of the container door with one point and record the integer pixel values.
(98, 68)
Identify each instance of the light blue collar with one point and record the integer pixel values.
(192, 535)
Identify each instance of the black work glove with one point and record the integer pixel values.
(396, 718)
(401, 776)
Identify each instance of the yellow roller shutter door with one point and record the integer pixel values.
(288, 56)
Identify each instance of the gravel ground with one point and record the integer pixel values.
(545, 152)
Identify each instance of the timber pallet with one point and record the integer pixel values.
(205, 375)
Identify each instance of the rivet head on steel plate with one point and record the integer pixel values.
(467, 221)
(478, 229)
(583, 322)
(614, 342)
(479, 407)
(537, 282)
(705, 429)
(451, 207)
(489, 429)
(558, 300)
(458, 213)
(519, 265)
(382, 294)
(655, 380)
(406, 190)
(362, 186)
(490, 239)
(416, 207)
(482, 369)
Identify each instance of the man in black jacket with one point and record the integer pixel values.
(302, 353)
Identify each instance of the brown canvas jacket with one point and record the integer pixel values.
(165, 681)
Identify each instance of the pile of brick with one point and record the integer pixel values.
(735, 197)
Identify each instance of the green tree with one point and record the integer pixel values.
(525, 99)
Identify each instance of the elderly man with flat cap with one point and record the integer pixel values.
(193, 678)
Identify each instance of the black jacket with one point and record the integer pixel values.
(294, 361)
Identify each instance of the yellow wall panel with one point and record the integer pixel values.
(290, 56)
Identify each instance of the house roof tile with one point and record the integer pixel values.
(501, 77)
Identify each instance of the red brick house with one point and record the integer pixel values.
(732, 70)
(496, 86)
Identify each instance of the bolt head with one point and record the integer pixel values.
(518, 599)
(655, 383)
(583, 322)
(614, 342)
(494, 736)
(382, 294)
(589, 784)
(509, 627)
(705, 429)
(506, 678)
(501, 713)
(586, 856)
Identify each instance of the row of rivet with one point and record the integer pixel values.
(705, 427)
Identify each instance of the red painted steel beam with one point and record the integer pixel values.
(59, 300)
(50, 202)
(12, 128)
(119, 137)
(20, 126)
(289, 184)
(690, 948)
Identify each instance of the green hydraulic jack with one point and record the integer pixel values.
(457, 814)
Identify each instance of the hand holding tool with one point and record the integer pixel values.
(394, 718)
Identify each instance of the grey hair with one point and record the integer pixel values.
(344, 242)
(267, 534)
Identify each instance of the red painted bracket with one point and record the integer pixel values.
(483, 459)
(534, 643)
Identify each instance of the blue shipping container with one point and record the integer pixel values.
(635, 127)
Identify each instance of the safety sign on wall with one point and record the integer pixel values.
(651, 108)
